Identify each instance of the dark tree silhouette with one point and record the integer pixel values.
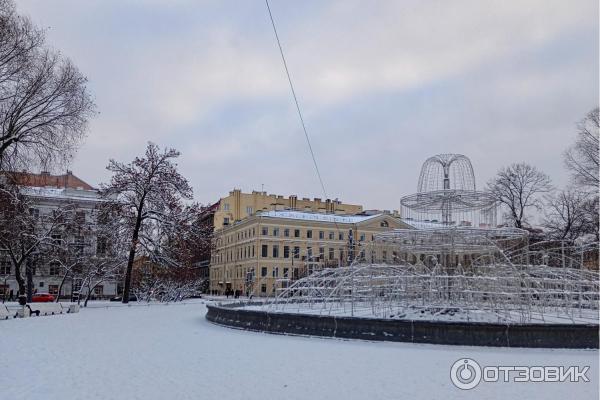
(44, 102)
(518, 187)
(582, 158)
(151, 194)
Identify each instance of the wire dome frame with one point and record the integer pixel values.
(464, 275)
(446, 171)
(446, 194)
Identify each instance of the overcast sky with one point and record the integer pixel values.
(383, 85)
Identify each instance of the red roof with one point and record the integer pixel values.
(44, 179)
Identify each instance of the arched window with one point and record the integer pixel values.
(384, 224)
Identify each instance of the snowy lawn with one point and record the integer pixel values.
(171, 351)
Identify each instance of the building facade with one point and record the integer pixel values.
(47, 193)
(268, 250)
(238, 206)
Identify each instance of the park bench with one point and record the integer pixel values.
(38, 309)
(5, 313)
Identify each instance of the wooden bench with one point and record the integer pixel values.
(5, 313)
(38, 309)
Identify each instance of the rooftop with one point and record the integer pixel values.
(312, 216)
(60, 193)
(46, 180)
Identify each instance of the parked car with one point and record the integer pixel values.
(132, 297)
(42, 298)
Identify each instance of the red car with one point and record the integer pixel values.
(42, 298)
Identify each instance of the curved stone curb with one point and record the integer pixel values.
(575, 336)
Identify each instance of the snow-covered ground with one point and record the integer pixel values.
(170, 351)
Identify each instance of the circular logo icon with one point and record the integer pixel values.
(465, 373)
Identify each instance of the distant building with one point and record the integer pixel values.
(269, 249)
(48, 192)
(238, 206)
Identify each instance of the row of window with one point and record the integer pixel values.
(276, 232)
(294, 252)
(286, 232)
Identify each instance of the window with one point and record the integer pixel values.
(331, 236)
(362, 237)
(275, 251)
(99, 290)
(265, 231)
(54, 269)
(286, 232)
(79, 244)
(80, 217)
(56, 239)
(249, 210)
(321, 235)
(34, 212)
(101, 246)
(309, 234)
(263, 288)
(297, 233)
(225, 206)
(384, 224)
(226, 221)
(275, 231)
(321, 253)
(41, 284)
(53, 289)
(263, 272)
(5, 268)
(296, 252)
(265, 250)
(331, 253)
(341, 236)
(286, 251)
(309, 252)
(286, 272)
(384, 255)
(276, 272)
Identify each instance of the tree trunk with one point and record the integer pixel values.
(29, 274)
(62, 282)
(20, 280)
(134, 240)
(89, 294)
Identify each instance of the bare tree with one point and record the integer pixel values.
(582, 158)
(518, 187)
(18, 41)
(565, 217)
(44, 102)
(591, 211)
(151, 193)
(26, 234)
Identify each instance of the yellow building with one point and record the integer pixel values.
(269, 249)
(238, 206)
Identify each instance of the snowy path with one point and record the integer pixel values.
(172, 352)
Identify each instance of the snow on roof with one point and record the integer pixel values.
(60, 193)
(312, 216)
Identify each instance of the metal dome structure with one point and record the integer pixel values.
(446, 171)
(447, 195)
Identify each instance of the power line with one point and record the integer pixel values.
(287, 72)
